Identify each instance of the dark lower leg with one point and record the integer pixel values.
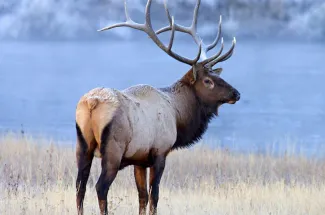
(140, 174)
(84, 161)
(108, 174)
(155, 176)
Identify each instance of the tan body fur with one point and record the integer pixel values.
(144, 115)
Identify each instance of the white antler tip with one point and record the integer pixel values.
(235, 40)
(221, 39)
(220, 18)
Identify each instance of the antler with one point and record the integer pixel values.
(192, 30)
(147, 28)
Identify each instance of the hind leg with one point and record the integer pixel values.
(111, 160)
(84, 160)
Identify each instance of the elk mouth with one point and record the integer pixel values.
(232, 102)
(217, 109)
(221, 103)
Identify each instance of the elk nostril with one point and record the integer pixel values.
(236, 95)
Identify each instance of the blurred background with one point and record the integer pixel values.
(51, 54)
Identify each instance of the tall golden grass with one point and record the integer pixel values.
(37, 176)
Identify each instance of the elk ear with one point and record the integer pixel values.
(217, 71)
(189, 77)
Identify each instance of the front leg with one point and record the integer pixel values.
(156, 172)
(140, 174)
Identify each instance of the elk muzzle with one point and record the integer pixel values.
(234, 96)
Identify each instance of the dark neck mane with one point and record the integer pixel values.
(193, 116)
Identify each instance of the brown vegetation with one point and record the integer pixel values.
(38, 176)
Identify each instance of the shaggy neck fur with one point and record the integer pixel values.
(193, 116)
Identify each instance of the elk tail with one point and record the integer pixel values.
(92, 103)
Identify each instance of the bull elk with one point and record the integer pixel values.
(141, 125)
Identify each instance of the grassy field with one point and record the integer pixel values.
(38, 176)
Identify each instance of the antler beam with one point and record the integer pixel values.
(147, 28)
(173, 27)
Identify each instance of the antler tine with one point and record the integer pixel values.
(172, 35)
(149, 30)
(167, 12)
(128, 23)
(215, 42)
(226, 56)
(195, 13)
(177, 27)
(189, 30)
(126, 11)
(206, 61)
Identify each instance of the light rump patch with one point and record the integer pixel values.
(141, 125)
(100, 95)
(96, 108)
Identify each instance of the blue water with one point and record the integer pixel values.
(281, 83)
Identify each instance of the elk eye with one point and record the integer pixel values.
(207, 81)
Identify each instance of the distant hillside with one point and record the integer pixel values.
(72, 19)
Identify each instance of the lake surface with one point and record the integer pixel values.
(282, 88)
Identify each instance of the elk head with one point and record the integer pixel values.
(212, 90)
(209, 88)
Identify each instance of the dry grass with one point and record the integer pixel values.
(37, 177)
